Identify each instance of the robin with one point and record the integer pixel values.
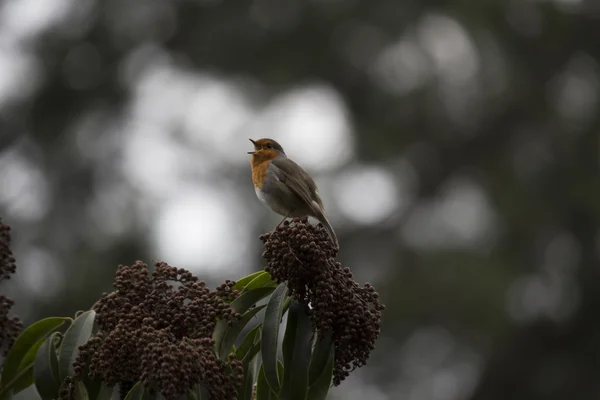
(283, 186)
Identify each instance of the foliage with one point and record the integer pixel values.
(9, 326)
(166, 334)
(46, 358)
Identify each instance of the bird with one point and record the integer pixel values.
(284, 187)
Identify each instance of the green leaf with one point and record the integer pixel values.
(286, 304)
(242, 282)
(270, 334)
(93, 387)
(321, 369)
(139, 392)
(241, 305)
(193, 394)
(297, 346)
(13, 363)
(45, 369)
(246, 389)
(105, 392)
(234, 331)
(250, 298)
(261, 281)
(135, 393)
(248, 342)
(7, 395)
(263, 390)
(219, 332)
(25, 377)
(78, 333)
(198, 392)
(24, 372)
(81, 392)
(280, 367)
(254, 350)
(319, 358)
(250, 346)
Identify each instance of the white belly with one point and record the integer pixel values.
(272, 202)
(261, 196)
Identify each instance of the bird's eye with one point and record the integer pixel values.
(269, 146)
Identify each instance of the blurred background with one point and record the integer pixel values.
(455, 144)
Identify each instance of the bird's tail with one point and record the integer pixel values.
(322, 219)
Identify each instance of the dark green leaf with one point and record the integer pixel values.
(248, 342)
(219, 332)
(105, 392)
(321, 369)
(297, 346)
(28, 338)
(135, 393)
(270, 334)
(45, 369)
(234, 330)
(280, 368)
(6, 395)
(146, 395)
(251, 353)
(81, 392)
(247, 388)
(25, 376)
(250, 298)
(93, 387)
(286, 304)
(241, 305)
(319, 358)
(241, 283)
(77, 334)
(261, 281)
(193, 394)
(263, 390)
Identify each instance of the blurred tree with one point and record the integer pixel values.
(498, 99)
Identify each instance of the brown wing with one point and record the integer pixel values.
(298, 180)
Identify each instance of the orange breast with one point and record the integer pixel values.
(259, 172)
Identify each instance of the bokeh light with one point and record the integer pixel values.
(455, 148)
(367, 195)
(195, 229)
(312, 124)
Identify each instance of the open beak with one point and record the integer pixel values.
(254, 143)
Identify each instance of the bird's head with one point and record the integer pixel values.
(266, 149)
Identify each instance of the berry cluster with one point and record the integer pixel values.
(302, 255)
(157, 329)
(9, 326)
